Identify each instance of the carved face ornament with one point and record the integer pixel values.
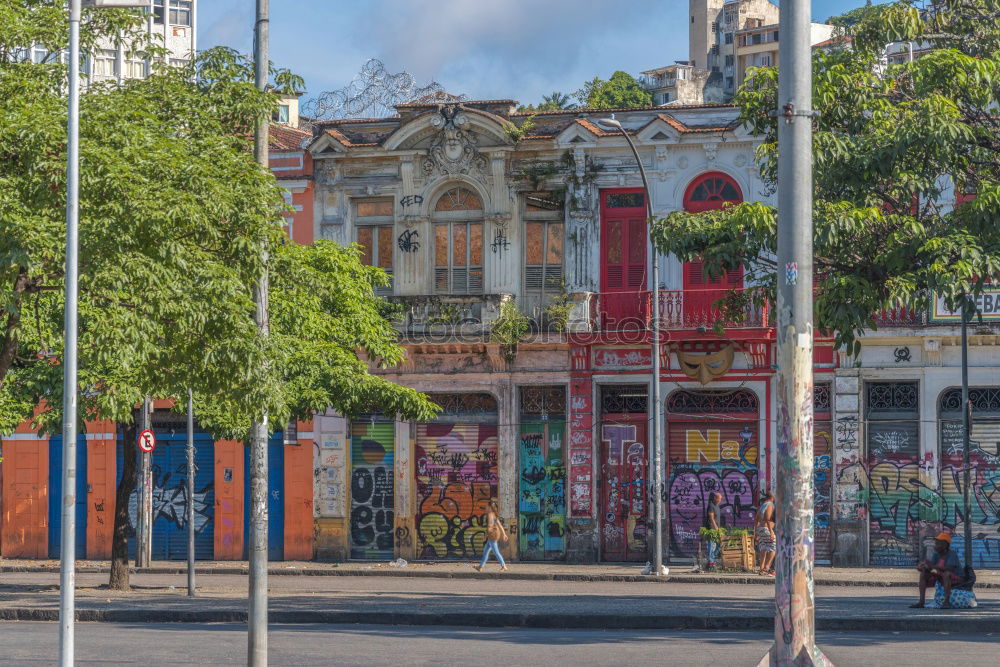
(705, 367)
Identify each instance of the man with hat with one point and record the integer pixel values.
(942, 566)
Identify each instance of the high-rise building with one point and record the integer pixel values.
(175, 21)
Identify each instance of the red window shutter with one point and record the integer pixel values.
(637, 254)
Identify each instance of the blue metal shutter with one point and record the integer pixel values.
(275, 498)
(55, 495)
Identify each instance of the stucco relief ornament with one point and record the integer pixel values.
(327, 171)
(711, 152)
(453, 151)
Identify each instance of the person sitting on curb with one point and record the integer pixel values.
(942, 567)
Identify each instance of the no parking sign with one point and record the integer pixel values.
(147, 442)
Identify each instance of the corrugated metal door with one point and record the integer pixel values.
(169, 467)
(456, 470)
(25, 499)
(55, 495)
(894, 493)
(542, 497)
(623, 507)
(704, 457)
(984, 459)
(229, 477)
(823, 488)
(275, 498)
(372, 515)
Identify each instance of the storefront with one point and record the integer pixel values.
(623, 471)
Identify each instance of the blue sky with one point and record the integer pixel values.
(485, 49)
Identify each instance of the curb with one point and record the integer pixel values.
(951, 623)
(517, 576)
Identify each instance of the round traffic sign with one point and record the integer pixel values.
(147, 442)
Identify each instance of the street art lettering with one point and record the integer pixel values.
(170, 500)
(456, 475)
(581, 443)
(894, 493)
(411, 200)
(408, 242)
(902, 354)
(542, 500)
(372, 515)
(500, 242)
(847, 433)
(710, 459)
(822, 488)
(623, 485)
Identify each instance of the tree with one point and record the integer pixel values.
(622, 91)
(848, 20)
(174, 214)
(555, 102)
(891, 147)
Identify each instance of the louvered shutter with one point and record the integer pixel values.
(637, 254)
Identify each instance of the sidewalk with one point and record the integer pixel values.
(495, 601)
(603, 572)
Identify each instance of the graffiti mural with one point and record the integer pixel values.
(948, 508)
(170, 501)
(372, 516)
(623, 491)
(822, 488)
(542, 491)
(707, 458)
(456, 475)
(894, 492)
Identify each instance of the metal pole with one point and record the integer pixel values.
(794, 623)
(67, 565)
(144, 541)
(190, 491)
(257, 616)
(966, 427)
(657, 407)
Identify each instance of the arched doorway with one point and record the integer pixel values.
(458, 242)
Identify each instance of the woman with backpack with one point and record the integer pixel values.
(495, 533)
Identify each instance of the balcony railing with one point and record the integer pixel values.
(679, 309)
(899, 316)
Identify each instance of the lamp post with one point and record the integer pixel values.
(658, 413)
(67, 550)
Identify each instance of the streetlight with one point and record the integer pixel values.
(657, 568)
(67, 555)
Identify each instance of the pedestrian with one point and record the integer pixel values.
(714, 521)
(495, 533)
(763, 530)
(940, 566)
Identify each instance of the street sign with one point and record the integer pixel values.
(147, 442)
(987, 305)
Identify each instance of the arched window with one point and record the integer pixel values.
(711, 191)
(458, 242)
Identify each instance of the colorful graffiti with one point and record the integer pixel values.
(456, 471)
(372, 514)
(894, 493)
(170, 501)
(581, 447)
(705, 459)
(624, 494)
(542, 498)
(822, 489)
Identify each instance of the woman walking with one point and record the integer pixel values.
(495, 533)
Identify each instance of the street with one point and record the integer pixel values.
(225, 644)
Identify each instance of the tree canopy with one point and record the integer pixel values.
(556, 101)
(621, 91)
(893, 148)
(174, 213)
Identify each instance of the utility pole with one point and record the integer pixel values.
(190, 492)
(794, 622)
(966, 428)
(656, 495)
(144, 540)
(67, 549)
(257, 616)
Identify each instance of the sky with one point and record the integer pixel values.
(484, 49)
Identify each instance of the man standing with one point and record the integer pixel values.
(714, 521)
(941, 566)
(763, 529)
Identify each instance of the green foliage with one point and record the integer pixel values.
(536, 173)
(557, 313)
(888, 148)
(622, 91)
(846, 21)
(518, 132)
(510, 327)
(555, 102)
(174, 216)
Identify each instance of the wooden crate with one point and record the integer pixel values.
(738, 553)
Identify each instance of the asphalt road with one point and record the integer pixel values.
(224, 644)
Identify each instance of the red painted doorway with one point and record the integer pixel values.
(624, 295)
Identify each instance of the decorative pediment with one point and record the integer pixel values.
(422, 131)
(662, 128)
(453, 149)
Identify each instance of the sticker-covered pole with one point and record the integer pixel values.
(257, 613)
(794, 622)
(190, 492)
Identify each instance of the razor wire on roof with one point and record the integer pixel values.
(374, 93)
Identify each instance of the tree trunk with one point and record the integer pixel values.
(119, 538)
